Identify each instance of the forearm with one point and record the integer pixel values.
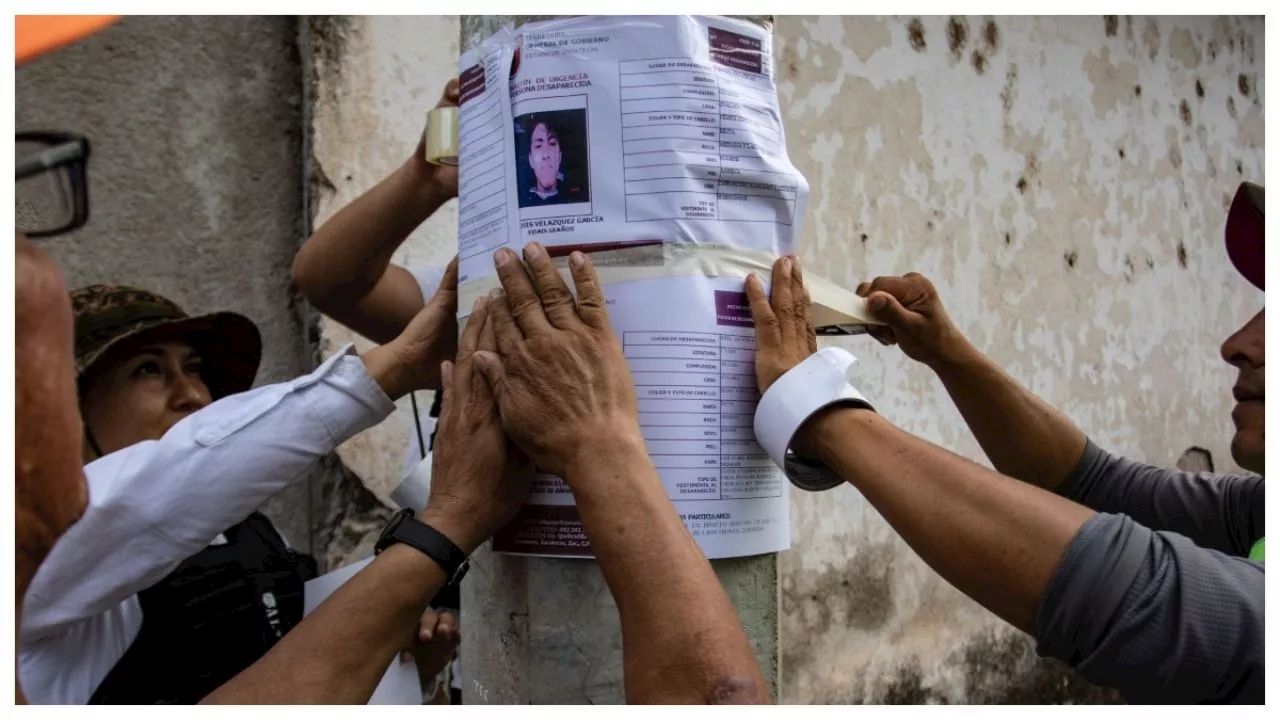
(339, 653)
(995, 539)
(344, 259)
(682, 640)
(1022, 435)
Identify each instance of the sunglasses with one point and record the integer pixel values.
(52, 191)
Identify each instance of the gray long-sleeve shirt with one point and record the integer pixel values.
(1154, 596)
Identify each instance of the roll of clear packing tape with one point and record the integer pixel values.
(836, 309)
(442, 136)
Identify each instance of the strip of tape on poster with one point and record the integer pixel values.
(836, 309)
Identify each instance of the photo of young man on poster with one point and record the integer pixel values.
(551, 158)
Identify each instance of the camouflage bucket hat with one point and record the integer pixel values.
(111, 318)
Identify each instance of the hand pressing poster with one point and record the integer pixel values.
(656, 145)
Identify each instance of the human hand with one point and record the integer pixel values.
(478, 478)
(913, 318)
(783, 319)
(443, 176)
(434, 643)
(412, 361)
(559, 376)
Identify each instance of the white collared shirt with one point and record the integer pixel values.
(154, 504)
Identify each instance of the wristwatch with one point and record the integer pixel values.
(407, 529)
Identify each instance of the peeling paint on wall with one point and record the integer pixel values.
(1063, 181)
(1195, 459)
(373, 80)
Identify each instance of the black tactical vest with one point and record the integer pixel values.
(215, 615)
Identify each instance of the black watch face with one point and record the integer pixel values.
(388, 532)
(461, 572)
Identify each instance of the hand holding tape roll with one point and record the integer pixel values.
(837, 310)
(442, 135)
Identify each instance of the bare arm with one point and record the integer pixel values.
(567, 399)
(339, 653)
(345, 269)
(1023, 436)
(666, 590)
(1027, 439)
(993, 538)
(1149, 613)
(996, 539)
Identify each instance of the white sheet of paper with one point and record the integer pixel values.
(400, 685)
(649, 137)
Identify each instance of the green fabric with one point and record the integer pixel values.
(109, 315)
(1258, 549)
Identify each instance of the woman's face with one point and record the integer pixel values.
(142, 394)
(544, 157)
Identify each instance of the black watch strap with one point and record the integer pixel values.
(407, 529)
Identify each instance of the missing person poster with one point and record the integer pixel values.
(656, 145)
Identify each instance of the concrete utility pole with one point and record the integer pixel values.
(538, 630)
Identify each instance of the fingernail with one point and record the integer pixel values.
(495, 294)
(578, 259)
(479, 303)
(503, 256)
(535, 249)
(786, 264)
(796, 259)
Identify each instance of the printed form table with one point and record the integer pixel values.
(697, 396)
(700, 141)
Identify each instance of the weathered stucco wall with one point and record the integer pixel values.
(375, 78)
(1063, 182)
(195, 179)
(371, 82)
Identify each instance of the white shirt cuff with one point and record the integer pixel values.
(331, 388)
